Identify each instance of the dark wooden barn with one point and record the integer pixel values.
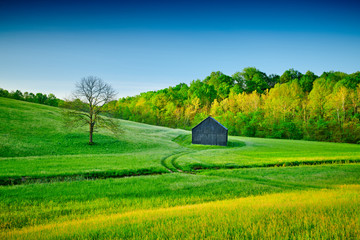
(210, 132)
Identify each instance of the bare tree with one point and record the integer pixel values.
(89, 98)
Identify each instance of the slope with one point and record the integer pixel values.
(34, 143)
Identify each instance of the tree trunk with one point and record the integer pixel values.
(91, 130)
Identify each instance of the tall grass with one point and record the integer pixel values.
(34, 204)
(320, 214)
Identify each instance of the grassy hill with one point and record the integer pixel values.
(30, 129)
(57, 186)
(35, 143)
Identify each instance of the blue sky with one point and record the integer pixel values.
(47, 46)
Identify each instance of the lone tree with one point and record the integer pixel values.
(89, 98)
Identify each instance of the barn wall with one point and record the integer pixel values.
(210, 139)
(209, 132)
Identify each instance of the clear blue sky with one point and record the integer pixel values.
(137, 46)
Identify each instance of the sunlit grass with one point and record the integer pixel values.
(29, 129)
(259, 152)
(316, 214)
(80, 195)
(33, 204)
(34, 143)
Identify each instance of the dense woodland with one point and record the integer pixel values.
(41, 98)
(249, 103)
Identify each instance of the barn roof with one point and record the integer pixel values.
(212, 119)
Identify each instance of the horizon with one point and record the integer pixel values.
(139, 47)
(69, 95)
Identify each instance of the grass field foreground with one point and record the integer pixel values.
(38, 204)
(320, 214)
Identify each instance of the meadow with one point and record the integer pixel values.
(151, 182)
(321, 214)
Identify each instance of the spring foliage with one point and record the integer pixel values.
(250, 103)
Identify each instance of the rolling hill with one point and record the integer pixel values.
(151, 181)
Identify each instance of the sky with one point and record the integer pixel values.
(139, 46)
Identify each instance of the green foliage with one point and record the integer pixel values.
(307, 80)
(252, 79)
(250, 103)
(205, 92)
(290, 75)
(221, 82)
(41, 98)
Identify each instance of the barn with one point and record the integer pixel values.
(210, 132)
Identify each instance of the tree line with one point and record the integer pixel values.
(251, 103)
(40, 98)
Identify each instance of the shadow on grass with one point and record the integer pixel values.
(185, 141)
(17, 180)
(201, 166)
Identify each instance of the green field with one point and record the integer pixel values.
(151, 182)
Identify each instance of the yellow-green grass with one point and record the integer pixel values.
(34, 145)
(259, 152)
(315, 214)
(38, 204)
(35, 204)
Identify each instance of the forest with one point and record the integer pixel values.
(249, 103)
(40, 98)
